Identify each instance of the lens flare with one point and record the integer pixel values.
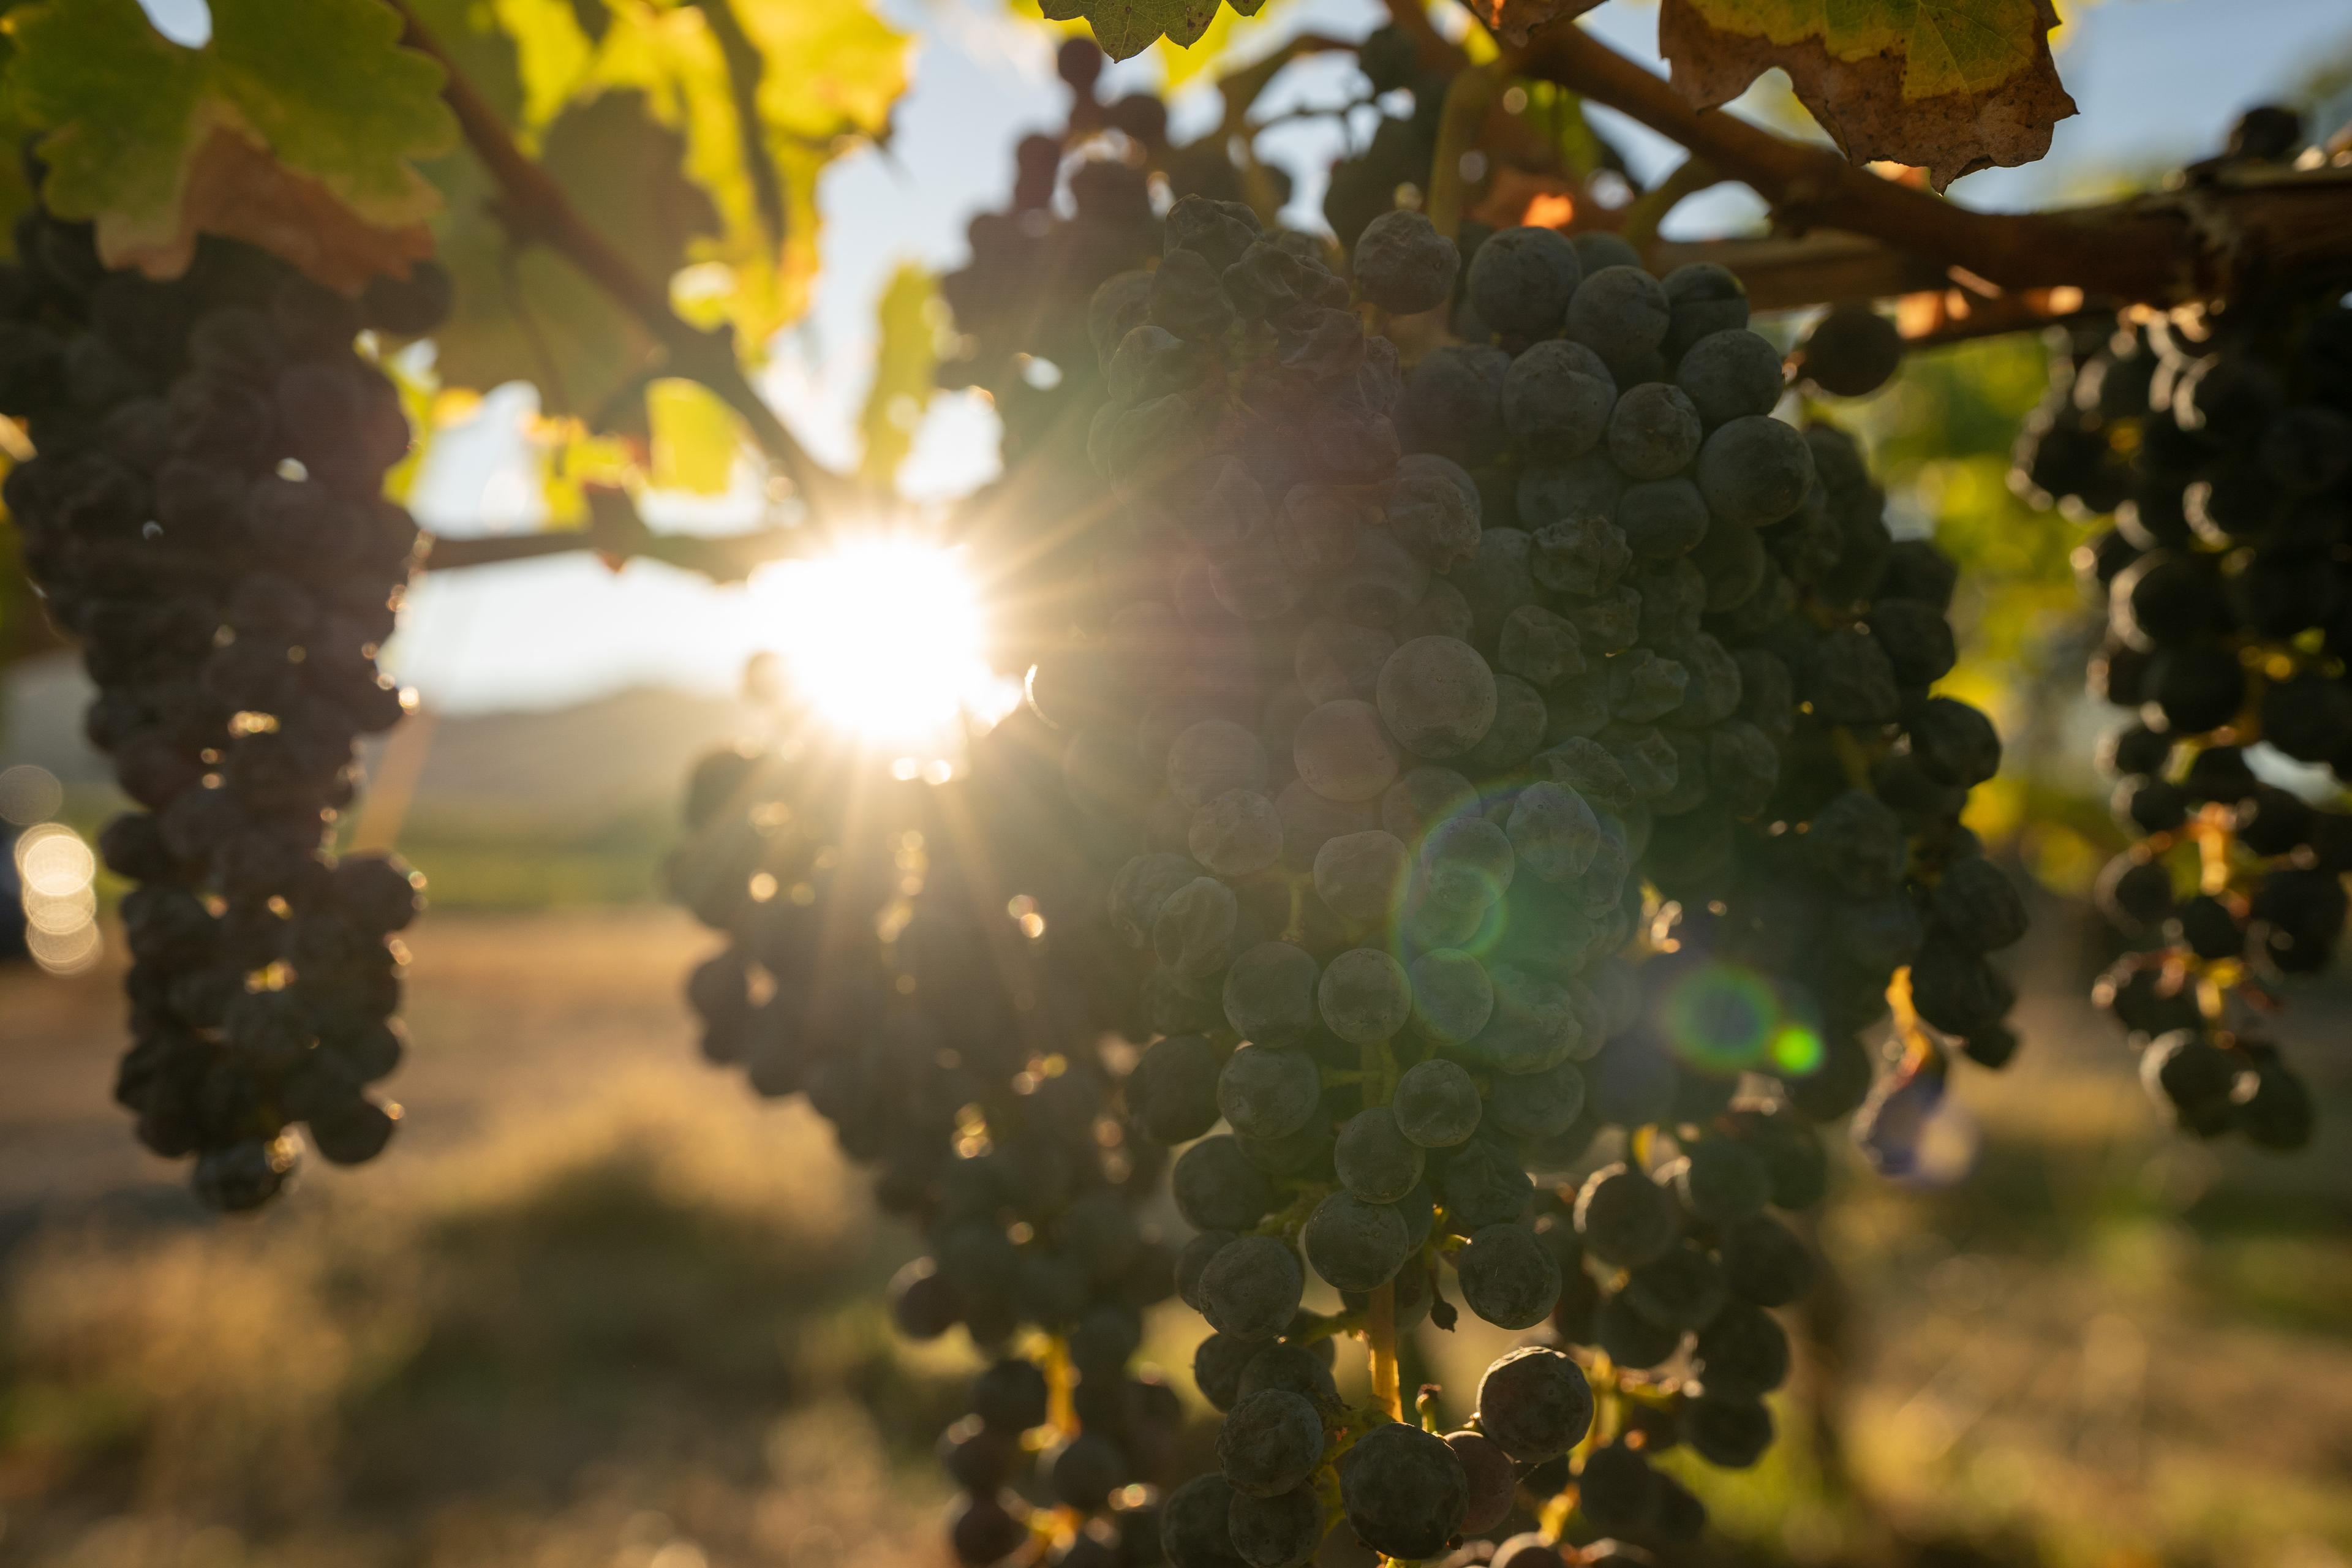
(54, 874)
(886, 639)
(1722, 1018)
(1795, 1051)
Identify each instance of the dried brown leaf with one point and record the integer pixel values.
(1884, 87)
(1515, 19)
(235, 186)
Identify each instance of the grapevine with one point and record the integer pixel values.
(1483, 812)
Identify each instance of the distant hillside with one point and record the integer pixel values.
(563, 770)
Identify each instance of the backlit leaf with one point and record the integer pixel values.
(825, 74)
(1948, 85)
(696, 437)
(908, 327)
(527, 314)
(297, 126)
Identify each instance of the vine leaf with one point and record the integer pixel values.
(696, 439)
(806, 80)
(296, 127)
(1196, 47)
(16, 190)
(525, 314)
(763, 92)
(909, 317)
(1515, 19)
(1952, 86)
(1125, 28)
(680, 131)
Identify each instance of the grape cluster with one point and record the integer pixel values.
(2219, 439)
(1761, 659)
(205, 515)
(1082, 209)
(1085, 206)
(1016, 340)
(1403, 687)
(944, 1024)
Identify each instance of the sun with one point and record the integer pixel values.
(886, 640)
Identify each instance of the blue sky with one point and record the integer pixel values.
(2158, 81)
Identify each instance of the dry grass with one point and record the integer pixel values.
(600, 1309)
(599, 1306)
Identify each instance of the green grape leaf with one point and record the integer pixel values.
(704, 175)
(1951, 86)
(1196, 44)
(16, 192)
(296, 127)
(765, 92)
(527, 314)
(909, 317)
(1125, 28)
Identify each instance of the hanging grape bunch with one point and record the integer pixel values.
(2220, 439)
(1393, 779)
(1081, 210)
(1770, 654)
(946, 1026)
(205, 515)
(1019, 340)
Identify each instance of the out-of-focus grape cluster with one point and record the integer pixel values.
(204, 514)
(2219, 439)
(907, 956)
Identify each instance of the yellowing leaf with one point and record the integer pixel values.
(1233, 27)
(296, 127)
(1125, 28)
(908, 317)
(16, 191)
(696, 437)
(569, 460)
(1515, 19)
(1949, 85)
(552, 56)
(419, 391)
(826, 70)
(813, 76)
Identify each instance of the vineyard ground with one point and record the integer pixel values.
(599, 1306)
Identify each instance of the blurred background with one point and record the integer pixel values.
(598, 1306)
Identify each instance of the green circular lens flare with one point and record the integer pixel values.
(1723, 1019)
(1796, 1051)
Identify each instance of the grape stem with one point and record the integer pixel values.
(1815, 188)
(535, 210)
(1690, 177)
(722, 558)
(615, 531)
(1061, 1412)
(2165, 247)
(1380, 1334)
(1467, 100)
(1376, 1062)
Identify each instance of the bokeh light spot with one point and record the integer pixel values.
(1795, 1051)
(1722, 1017)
